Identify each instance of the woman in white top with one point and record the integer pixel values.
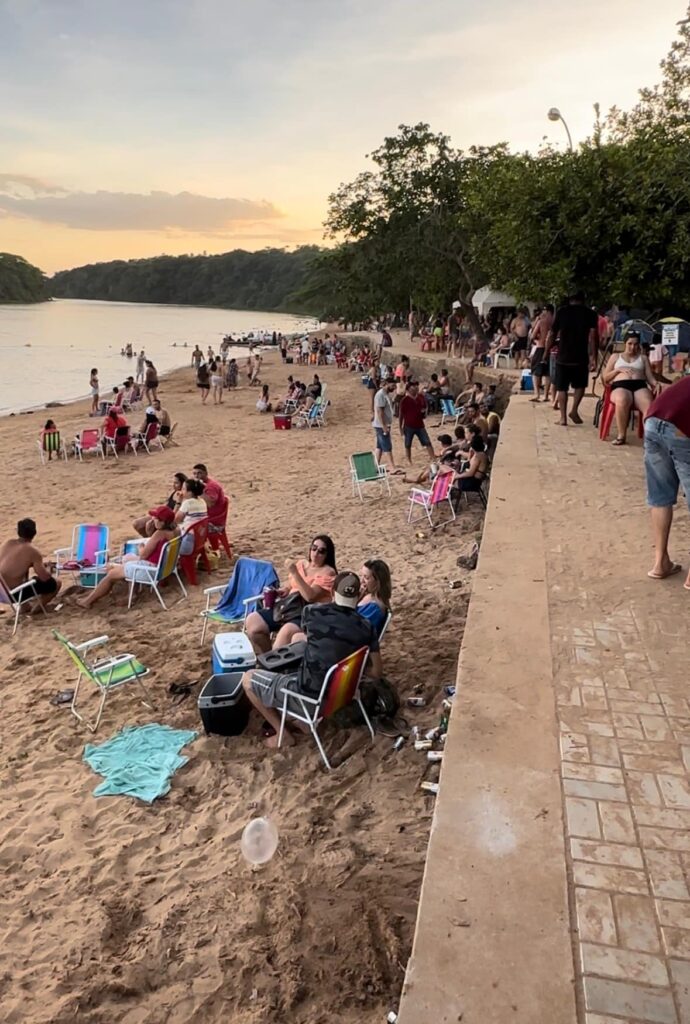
(192, 509)
(632, 383)
(216, 382)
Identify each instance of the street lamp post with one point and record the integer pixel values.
(554, 114)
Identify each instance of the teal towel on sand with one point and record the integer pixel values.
(139, 761)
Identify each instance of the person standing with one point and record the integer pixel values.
(197, 359)
(141, 367)
(519, 330)
(539, 362)
(95, 391)
(667, 467)
(151, 382)
(383, 423)
(575, 330)
(412, 413)
(454, 331)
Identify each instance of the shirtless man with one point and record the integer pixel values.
(19, 555)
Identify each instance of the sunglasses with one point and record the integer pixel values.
(318, 550)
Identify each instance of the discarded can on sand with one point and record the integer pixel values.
(455, 584)
(416, 702)
(414, 733)
(429, 787)
(423, 744)
(435, 755)
(449, 691)
(432, 734)
(392, 1017)
(399, 743)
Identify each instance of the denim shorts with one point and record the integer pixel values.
(666, 463)
(383, 440)
(420, 433)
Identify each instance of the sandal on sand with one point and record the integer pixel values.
(62, 697)
(675, 568)
(618, 441)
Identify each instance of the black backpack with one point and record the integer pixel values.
(380, 700)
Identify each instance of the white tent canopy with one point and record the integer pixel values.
(487, 298)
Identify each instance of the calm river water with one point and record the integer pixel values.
(47, 350)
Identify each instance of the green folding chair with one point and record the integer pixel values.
(364, 469)
(105, 673)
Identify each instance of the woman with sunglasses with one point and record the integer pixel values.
(312, 578)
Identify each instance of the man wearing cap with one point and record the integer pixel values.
(131, 566)
(331, 632)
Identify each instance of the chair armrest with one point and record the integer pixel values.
(62, 551)
(215, 590)
(248, 600)
(92, 643)
(301, 696)
(120, 659)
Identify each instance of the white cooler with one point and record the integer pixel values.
(232, 652)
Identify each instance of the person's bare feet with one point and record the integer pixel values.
(666, 569)
(272, 741)
(82, 602)
(575, 417)
(561, 423)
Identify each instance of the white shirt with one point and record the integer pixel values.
(383, 410)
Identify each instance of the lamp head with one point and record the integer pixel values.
(554, 114)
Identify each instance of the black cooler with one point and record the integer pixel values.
(223, 705)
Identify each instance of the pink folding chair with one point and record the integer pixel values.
(431, 500)
(88, 442)
(150, 439)
(87, 555)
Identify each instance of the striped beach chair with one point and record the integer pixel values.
(51, 443)
(431, 500)
(340, 688)
(153, 575)
(87, 555)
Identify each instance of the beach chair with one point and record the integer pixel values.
(16, 598)
(87, 555)
(607, 414)
(449, 411)
(340, 688)
(119, 443)
(385, 625)
(88, 442)
(364, 469)
(240, 595)
(217, 535)
(502, 353)
(51, 442)
(431, 500)
(168, 440)
(148, 440)
(106, 673)
(154, 575)
(199, 532)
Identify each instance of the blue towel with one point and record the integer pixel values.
(249, 578)
(139, 761)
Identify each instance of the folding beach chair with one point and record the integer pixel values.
(168, 440)
(364, 469)
(385, 625)
(88, 442)
(120, 443)
(16, 598)
(105, 673)
(153, 575)
(340, 688)
(241, 594)
(51, 442)
(449, 411)
(149, 439)
(217, 532)
(87, 554)
(199, 531)
(431, 500)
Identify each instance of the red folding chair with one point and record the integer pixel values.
(608, 412)
(216, 532)
(188, 562)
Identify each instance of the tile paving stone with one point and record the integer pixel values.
(582, 818)
(643, 788)
(641, 1002)
(677, 942)
(648, 763)
(594, 790)
(666, 874)
(637, 923)
(661, 816)
(617, 824)
(605, 876)
(674, 913)
(675, 791)
(661, 838)
(680, 975)
(655, 727)
(604, 750)
(624, 964)
(593, 773)
(606, 853)
(596, 1018)
(595, 920)
(615, 695)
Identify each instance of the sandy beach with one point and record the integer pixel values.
(116, 911)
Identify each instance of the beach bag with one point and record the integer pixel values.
(289, 609)
(380, 699)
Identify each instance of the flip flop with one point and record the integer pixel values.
(675, 568)
(62, 697)
(618, 441)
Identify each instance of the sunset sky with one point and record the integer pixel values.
(130, 129)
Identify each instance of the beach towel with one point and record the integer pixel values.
(249, 578)
(139, 761)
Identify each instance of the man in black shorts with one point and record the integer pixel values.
(575, 331)
(332, 632)
(19, 555)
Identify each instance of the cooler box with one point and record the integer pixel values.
(232, 652)
(223, 705)
(281, 422)
(283, 659)
(526, 382)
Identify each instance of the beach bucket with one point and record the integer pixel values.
(281, 422)
(223, 705)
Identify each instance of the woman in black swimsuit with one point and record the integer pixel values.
(630, 378)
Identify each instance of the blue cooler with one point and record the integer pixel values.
(232, 652)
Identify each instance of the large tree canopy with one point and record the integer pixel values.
(20, 281)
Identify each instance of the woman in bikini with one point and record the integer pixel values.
(629, 375)
(310, 577)
(473, 474)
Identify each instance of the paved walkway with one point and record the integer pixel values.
(620, 666)
(566, 639)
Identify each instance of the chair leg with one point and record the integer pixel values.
(148, 699)
(282, 720)
(320, 745)
(131, 593)
(159, 596)
(226, 544)
(365, 716)
(182, 586)
(204, 628)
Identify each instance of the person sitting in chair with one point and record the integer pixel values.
(191, 510)
(17, 556)
(632, 383)
(473, 474)
(331, 632)
(375, 595)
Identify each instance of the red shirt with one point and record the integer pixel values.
(412, 411)
(216, 512)
(111, 426)
(673, 405)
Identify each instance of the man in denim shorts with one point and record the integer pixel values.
(383, 421)
(667, 466)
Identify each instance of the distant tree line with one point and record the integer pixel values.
(20, 281)
(265, 280)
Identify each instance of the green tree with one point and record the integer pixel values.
(20, 281)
